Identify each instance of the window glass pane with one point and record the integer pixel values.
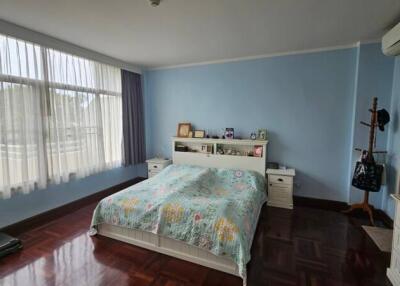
(72, 142)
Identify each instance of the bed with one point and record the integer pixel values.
(204, 215)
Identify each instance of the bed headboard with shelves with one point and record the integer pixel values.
(221, 153)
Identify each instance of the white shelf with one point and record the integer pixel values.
(220, 160)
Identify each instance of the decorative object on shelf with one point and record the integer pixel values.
(199, 134)
(229, 133)
(181, 148)
(262, 134)
(205, 148)
(367, 173)
(257, 151)
(184, 129)
(190, 134)
(215, 137)
(253, 136)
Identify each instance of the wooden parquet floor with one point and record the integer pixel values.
(306, 247)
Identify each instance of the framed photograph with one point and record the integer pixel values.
(229, 133)
(199, 134)
(262, 134)
(184, 129)
(257, 151)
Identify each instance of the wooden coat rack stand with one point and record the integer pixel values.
(364, 205)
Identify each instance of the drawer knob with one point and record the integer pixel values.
(155, 166)
(280, 180)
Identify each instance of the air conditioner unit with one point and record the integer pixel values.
(391, 42)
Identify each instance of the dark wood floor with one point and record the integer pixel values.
(305, 246)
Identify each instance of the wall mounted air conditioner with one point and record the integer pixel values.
(391, 42)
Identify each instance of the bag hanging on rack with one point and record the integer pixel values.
(367, 176)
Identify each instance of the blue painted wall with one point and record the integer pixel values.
(20, 207)
(393, 144)
(305, 101)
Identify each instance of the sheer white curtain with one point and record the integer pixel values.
(21, 141)
(60, 116)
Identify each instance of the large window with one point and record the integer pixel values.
(60, 116)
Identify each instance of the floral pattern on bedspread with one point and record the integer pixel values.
(215, 209)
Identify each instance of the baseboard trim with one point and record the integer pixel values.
(320, 203)
(40, 219)
(339, 206)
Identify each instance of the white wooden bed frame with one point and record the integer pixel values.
(181, 249)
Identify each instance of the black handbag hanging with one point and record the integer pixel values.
(367, 176)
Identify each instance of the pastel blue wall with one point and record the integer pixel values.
(305, 101)
(373, 79)
(393, 144)
(20, 207)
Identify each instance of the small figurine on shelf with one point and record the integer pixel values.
(229, 133)
(262, 134)
(253, 136)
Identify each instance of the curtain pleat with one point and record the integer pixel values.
(60, 117)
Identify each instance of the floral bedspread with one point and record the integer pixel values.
(215, 209)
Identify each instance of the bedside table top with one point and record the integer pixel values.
(287, 172)
(158, 160)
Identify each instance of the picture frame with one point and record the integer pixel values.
(262, 134)
(199, 134)
(184, 129)
(257, 151)
(229, 133)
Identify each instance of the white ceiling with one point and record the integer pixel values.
(190, 31)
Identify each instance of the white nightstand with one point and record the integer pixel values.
(155, 165)
(280, 188)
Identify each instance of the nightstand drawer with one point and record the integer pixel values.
(155, 166)
(152, 173)
(276, 179)
(280, 194)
